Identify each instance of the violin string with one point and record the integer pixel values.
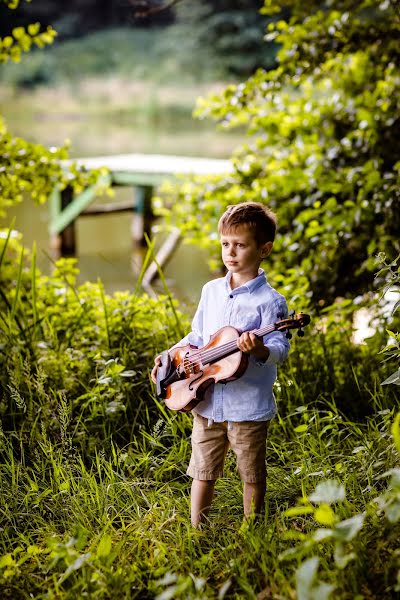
(212, 354)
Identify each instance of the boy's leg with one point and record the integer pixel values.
(202, 493)
(209, 446)
(248, 440)
(253, 497)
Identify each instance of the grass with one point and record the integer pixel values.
(117, 525)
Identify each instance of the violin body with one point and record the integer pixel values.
(185, 372)
(183, 395)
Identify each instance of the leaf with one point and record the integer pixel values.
(104, 547)
(393, 512)
(7, 561)
(307, 588)
(305, 576)
(75, 566)
(325, 515)
(301, 428)
(298, 510)
(128, 374)
(395, 431)
(346, 530)
(320, 535)
(341, 558)
(322, 591)
(394, 378)
(33, 29)
(329, 491)
(224, 588)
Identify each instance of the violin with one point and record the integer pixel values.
(185, 372)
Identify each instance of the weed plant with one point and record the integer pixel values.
(94, 497)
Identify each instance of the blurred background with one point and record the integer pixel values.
(123, 77)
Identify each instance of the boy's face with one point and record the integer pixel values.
(241, 254)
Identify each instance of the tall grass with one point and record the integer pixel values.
(119, 526)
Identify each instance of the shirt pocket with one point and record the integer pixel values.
(245, 319)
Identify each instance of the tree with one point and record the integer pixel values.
(27, 168)
(322, 151)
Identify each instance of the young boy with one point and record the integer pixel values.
(236, 414)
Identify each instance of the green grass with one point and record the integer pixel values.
(117, 524)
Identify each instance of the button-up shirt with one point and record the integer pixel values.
(251, 306)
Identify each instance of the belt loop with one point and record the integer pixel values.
(230, 425)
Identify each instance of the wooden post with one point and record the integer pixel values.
(68, 237)
(143, 215)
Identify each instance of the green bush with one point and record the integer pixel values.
(75, 355)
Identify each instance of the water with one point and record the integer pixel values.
(104, 242)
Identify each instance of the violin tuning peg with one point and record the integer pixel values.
(300, 333)
(288, 335)
(291, 313)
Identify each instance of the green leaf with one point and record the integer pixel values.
(7, 560)
(325, 515)
(104, 547)
(395, 430)
(301, 428)
(295, 511)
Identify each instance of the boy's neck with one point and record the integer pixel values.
(238, 279)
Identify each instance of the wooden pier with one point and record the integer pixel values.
(141, 172)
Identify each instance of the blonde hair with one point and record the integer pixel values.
(254, 215)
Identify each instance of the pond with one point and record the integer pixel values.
(104, 242)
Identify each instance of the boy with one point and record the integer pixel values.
(236, 414)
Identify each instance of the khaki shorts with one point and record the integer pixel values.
(248, 440)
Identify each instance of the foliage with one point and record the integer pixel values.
(390, 273)
(322, 149)
(227, 36)
(27, 168)
(22, 39)
(74, 355)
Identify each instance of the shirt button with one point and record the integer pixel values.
(230, 296)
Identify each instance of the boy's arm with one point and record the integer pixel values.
(273, 348)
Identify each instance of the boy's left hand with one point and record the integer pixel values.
(251, 344)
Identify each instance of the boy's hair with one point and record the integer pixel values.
(258, 217)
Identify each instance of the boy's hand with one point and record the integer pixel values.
(251, 344)
(157, 362)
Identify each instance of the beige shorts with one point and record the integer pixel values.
(248, 440)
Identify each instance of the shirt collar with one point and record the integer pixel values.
(249, 286)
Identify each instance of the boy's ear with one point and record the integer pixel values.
(266, 249)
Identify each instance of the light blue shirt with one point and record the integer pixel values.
(251, 306)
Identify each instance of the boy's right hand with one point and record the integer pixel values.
(157, 362)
